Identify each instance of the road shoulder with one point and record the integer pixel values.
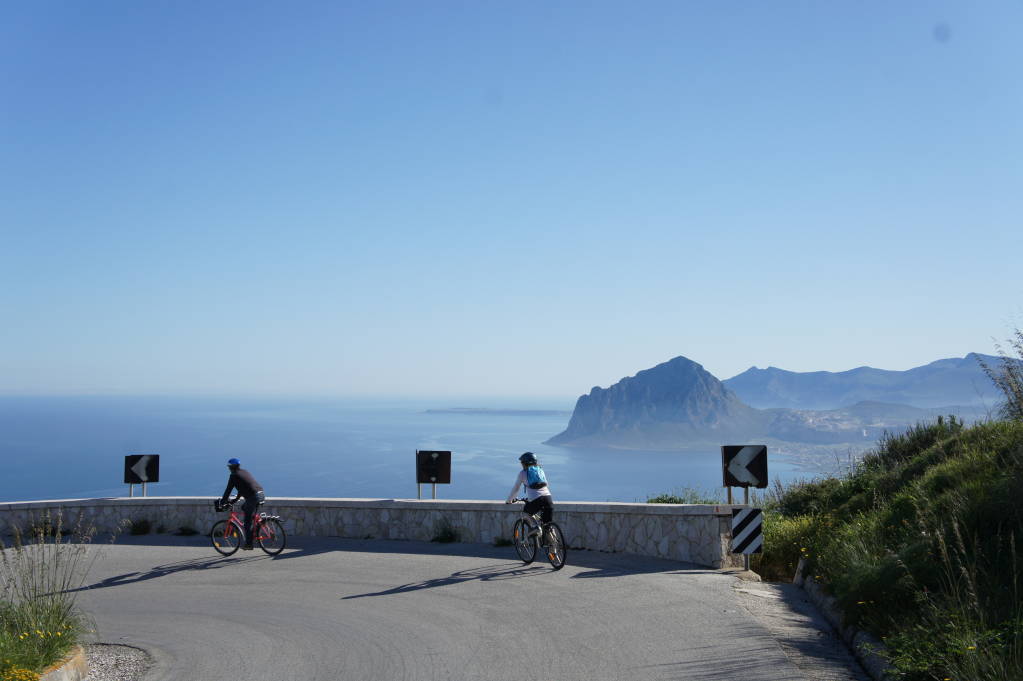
(801, 631)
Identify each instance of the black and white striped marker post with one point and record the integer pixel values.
(747, 531)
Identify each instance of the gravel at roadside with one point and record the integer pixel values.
(116, 663)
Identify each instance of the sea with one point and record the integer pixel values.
(75, 447)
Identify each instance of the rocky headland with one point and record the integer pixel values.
(680, 404)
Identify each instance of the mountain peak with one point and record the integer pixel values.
(678, 397)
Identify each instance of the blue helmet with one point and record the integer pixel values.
(528, 459)
(234, 462)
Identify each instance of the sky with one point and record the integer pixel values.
(496, 198)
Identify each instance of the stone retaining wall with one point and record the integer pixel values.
(686, 532)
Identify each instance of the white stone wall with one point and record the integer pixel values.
(692, 533)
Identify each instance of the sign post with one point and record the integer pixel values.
(141, 469)
(745, 466)
(433, 467)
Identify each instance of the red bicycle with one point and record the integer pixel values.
(227, 535)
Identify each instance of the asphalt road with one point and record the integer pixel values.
(330, 609)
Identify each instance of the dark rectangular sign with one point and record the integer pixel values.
(433, 467)
(139, 468)
(744, 465)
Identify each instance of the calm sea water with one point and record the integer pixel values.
(75, 447)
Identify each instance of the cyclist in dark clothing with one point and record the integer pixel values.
(247, 487)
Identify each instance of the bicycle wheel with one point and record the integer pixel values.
(525, 545)
(557, 552)
(226, 537)
(271, 536)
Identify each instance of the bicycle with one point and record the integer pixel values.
(531, 534)
(227, 535)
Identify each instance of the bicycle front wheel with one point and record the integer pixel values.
(557, 552)
(525, 545)
(226, 537)
(271, 536)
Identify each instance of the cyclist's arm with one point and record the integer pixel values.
(520, 480)
(227, 492)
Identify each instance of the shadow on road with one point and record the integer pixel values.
(213, 562)
(487, 573)
(581, 564)
(165, 570)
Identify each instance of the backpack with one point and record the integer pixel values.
(535, 479)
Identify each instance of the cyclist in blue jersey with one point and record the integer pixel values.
(538, 494)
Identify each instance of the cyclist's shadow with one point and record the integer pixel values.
(211, 563)
(487, 573)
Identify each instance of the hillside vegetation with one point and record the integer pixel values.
(921, 544)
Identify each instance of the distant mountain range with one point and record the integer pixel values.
(679, 403)
(957, 381)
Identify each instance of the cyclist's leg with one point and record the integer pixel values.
(249, 508)
(529, 510)
(545, 506)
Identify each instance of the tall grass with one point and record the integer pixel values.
(40, 572)
(1009, 376)
(921, 545)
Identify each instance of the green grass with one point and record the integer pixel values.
(921, 545)
(39, 622)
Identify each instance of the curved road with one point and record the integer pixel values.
(388, 610)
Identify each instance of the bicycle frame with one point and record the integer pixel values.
(258, 523)
(536, 524)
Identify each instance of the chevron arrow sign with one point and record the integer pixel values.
(140, 468)
(744, 465)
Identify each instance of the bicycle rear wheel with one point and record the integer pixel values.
(525, 545)
(271, 536)
(557, 552)
(226, 537)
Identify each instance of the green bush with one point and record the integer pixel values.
(921, 536)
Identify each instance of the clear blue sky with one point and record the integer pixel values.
(500, 198)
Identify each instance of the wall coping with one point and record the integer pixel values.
(432, 504)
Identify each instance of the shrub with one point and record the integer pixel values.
(786, 540)
(140, 526)
(444, 532)
(39, 575)
(918, 545)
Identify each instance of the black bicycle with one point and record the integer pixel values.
(531, 534)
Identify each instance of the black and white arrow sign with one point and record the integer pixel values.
(744, 465)
(140, 468)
